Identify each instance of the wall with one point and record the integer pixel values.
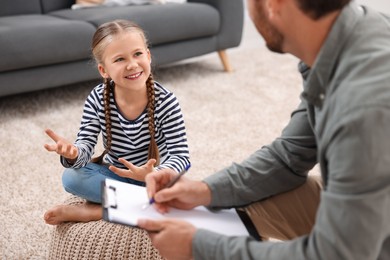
(381, 5)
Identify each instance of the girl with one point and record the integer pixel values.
(141, 121)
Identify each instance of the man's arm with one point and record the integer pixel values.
(352, 219)
(279, 167)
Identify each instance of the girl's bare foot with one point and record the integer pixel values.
(76, 213)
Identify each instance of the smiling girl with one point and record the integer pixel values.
(141, 123)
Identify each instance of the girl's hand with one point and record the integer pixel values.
(61, 146)
(134, 172)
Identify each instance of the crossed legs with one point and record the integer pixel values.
(84, 182)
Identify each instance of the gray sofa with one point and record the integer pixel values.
(45, 44)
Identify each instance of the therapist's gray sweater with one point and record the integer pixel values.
(343, 123)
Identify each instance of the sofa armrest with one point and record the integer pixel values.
(232, 21)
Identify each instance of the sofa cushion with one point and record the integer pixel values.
(14, 7)
(162, 23)
(52, 5)
(93, 3)
(36, 40)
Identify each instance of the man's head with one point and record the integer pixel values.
(319, 8)
(263, 13)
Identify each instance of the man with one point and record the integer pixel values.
(342, 123)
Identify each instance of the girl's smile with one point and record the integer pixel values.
(134, 76)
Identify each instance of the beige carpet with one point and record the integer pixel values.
(228, 116)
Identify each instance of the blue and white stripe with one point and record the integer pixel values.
(130, 138)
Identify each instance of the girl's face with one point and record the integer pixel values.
(126, 60)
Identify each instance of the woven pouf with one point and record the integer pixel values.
(99, 240)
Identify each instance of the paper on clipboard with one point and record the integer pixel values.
(123, 203)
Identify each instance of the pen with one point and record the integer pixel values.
(169, 184)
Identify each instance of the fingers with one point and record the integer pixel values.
(168, 232)
(52, 135)
(73, 153)
(150, 225)
(61, 146)
(151, 163)
(51, 148)
(148, 166)
(119, 171)
(162, 208)
(128, 164)
(69, 151)
(157, 180)
(169, 194)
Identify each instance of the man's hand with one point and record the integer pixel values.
(61, 146)
(172, 238)
(134, 172)
(184, 194)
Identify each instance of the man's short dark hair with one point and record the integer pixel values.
(318, 8)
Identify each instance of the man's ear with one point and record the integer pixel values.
(273, 7)
(102, 71)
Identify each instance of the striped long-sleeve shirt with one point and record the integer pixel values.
(131, 138)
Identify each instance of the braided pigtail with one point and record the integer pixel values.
(107, 116)
(153, 148)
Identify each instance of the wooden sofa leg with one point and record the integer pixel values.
(225, 61)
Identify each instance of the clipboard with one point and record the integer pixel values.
(122, 203)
